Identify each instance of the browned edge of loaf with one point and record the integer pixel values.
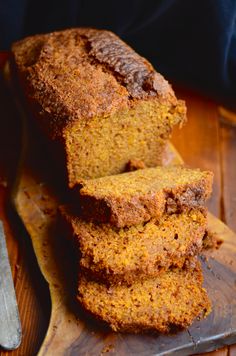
(125, 76)
(124, 211)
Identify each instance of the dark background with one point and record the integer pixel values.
(192, 42)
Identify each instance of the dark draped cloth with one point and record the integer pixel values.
(190, 42)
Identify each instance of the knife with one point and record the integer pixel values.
(10, 326)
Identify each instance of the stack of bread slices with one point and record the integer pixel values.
(101, 105)
(138, 234)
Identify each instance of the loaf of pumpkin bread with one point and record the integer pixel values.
(169, 301)
(135, 197)
(121, 256)
(98, 98)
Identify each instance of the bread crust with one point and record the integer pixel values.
(99, 99)
(81, 73)
(135, 197)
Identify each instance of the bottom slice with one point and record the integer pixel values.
(172, 300)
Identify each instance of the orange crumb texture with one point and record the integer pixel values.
(172, 300)
(103, 102)
(132, 198)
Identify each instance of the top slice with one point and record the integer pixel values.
(135, 197)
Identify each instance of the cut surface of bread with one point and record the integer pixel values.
(117, 256)
(135, 197)
(172, 300)
(102, 101)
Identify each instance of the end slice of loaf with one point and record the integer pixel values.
(135, 197)
(172, 300)
(120, 256)
(98, 98)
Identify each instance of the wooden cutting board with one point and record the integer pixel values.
(71, 332)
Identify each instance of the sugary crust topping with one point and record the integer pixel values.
(137, 74)
(82, 73)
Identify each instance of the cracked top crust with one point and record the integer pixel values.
(82, 73)
(136, 73)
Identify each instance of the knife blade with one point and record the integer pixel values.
(10, 326)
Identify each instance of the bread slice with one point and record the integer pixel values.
(135, 197)
(99, 99)
(172, 300)
(120, 256)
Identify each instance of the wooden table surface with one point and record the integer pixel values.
(206, 141)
